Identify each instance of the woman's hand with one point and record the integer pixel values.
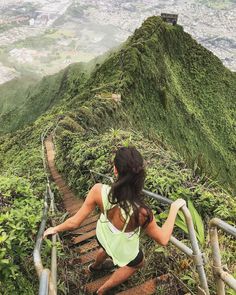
(49, 231)
(178, 204)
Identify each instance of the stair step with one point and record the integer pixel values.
(85, 228)
(70, 196)
(147, 288)
(94, 285)
(84, 237)
(90, 219)
(88, 257)
(87, 246)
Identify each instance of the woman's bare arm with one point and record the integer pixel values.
(162, 234)
(74, 222)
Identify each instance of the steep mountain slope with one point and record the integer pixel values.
(173, 87)
(171, 99)
(39, 97)
(14, 92)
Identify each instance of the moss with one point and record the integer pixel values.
(70, 124)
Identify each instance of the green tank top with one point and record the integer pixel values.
(121, 246)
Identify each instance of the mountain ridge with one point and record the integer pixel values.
(168, 83)
(160, 87)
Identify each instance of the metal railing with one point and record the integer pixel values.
(193, 253)
(221, 276)
(47, 278)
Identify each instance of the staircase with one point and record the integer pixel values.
(84, 237)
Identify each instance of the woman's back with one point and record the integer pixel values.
(115, 231)
(116, 215)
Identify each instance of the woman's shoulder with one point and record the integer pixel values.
(102, 191)
(105, 189)
(98, 193)
(100, 186)
(97, 187)
(145, 216)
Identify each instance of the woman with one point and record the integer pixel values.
(124, 213)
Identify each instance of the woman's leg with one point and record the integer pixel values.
(118, 277)
(101, 257)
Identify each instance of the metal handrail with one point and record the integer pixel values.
(54, 246)
(221, 276)
(196, 255)
(36, 254)
(195, 252)
(47, 278)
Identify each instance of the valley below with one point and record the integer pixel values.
(43, 37)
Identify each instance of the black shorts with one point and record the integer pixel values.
(136, 261)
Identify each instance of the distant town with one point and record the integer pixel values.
(43, 36)
(44, 16)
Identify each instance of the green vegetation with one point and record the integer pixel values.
(167, 174)
(39, 98)
(18, 227)
(187, 99)
(21, 198)
(177, 108)
(13, 93)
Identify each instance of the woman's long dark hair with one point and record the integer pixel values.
(126, 191)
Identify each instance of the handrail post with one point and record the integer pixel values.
(221, 276)
(54, 263)
(36, 253)
(54, 247)
(197, 255)
(220, 286)
(44, 282)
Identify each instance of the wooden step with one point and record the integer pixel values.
(148, 288)
(88, 257)
(95, 285)
(70, 196)
(84, 237)
(85, 228)
(90, 219)
(87, 246)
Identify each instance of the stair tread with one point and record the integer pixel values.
(94, 285)
(87, 246)
(147, 288)
(85, 228)
(91, 219)
(88, 257)
(84, 237)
